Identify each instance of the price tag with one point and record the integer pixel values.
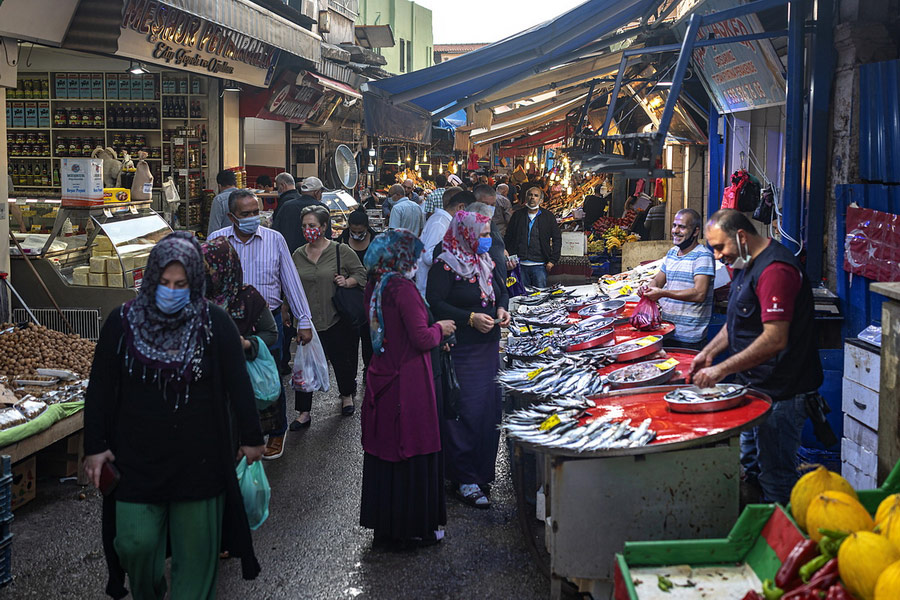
(609, 281)
(535, 373)
(534, 294)
(556, 292)
(651, 339)
(665, 366)
(626, 290)
(547, 349)
(524, 329)
(183, 172)
(550, 333)
(549, 423)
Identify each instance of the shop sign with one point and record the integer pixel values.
(156, 32)
(286, 101)
(740, 76)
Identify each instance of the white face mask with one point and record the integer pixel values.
(741, 262)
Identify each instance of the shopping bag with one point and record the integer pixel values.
(264, 376)
(255, 491)
(170, 191)
(514, 283)
(449, 387)
(310, 373)
(646, 315)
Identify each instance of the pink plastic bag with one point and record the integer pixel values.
(646, 315)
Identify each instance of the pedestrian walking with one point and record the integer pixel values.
(317, 265)
(402, 489)
(359, 236)
(167, 383)
(218, 212)
(464, 285)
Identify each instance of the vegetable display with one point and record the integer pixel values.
(23, 350)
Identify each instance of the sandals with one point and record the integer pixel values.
(349, 409)
(471, 494)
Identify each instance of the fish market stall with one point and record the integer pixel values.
(621, 452)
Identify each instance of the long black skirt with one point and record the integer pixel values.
(403, 500)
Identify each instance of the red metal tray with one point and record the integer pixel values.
(625, 332)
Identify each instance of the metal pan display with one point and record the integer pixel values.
(643, 374)
(602, 309)
(637, 348)
(601, 338)
(691, 399)
(591, 323)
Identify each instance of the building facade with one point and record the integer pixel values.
(411, 22)
(444, 52)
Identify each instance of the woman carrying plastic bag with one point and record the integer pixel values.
(310, 372)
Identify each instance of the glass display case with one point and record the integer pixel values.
(340, 204)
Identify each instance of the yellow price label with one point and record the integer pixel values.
(650, 339)
(545, 350)
(535, 294)
(556, 292)
(550, 422)
(535, 373)
(626, 290)
(609, 281)
(665, 366)
(550, 333)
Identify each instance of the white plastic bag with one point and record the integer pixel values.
(310, 372)
(170, 191)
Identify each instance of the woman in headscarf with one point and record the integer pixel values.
(408, 215)
(168, 379)
(465, 285)
(359, 236)
(245, 305)
(402, 490)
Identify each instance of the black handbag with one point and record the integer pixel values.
(449, 387)
(763, 212)
(349, 302)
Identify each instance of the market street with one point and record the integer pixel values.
(311, 546)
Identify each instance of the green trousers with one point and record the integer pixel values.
(194, 530)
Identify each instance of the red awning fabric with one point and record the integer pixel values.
(523, 145)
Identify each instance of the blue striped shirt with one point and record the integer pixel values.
(268, 267)
(690, 318)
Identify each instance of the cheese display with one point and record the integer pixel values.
(80, 275)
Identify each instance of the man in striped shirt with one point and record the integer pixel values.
(684, 285)
(435, 200)
(268, 267)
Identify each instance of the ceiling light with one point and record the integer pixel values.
(371, 168)
(663, 84)
(372, 152)
(231, 86)
(136, 68)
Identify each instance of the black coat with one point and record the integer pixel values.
(287, 219)
(550, 236)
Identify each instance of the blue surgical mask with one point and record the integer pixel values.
(484, 244)
(171, 301)
(248, 225)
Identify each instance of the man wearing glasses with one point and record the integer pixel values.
(684, 284)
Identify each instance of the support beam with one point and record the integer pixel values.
(684, 59)
(794, 128)
(716, 160)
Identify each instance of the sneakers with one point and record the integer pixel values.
(274, 447)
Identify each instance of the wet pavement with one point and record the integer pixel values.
(310, 547)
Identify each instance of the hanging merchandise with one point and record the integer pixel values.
(743, 193)
(764, 209)
(142, 186)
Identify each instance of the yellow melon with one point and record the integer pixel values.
(888, 585)
(811, 485)
(888, 505)
(836, 511)
(889, 527)
(863, 557)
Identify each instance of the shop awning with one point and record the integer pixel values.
(337, 86)
(229, 39)
(375, 36)
(41, 21)
(523, 146)
(441, 86)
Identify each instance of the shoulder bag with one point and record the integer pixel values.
(349, 302)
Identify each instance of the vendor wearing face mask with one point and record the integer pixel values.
(533, 235)
(683, 285)
(771, 335)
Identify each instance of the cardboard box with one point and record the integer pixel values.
(24, 483)
(80, 275)
(31, 116)
(112, 86)
(97, 86)
(62, 85)
(44, 114)
(84, 86)
(137, 87)
(124, 88)
(18, 114)
(73, 86)
(112, 195)
(149, 87)
(82, 181)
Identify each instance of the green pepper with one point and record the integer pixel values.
(664, 583)
(809, 569)
(829, 545)
(771, 591)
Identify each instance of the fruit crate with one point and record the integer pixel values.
(728, 567)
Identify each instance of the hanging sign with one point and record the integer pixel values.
(155, 32)
(741, 75)
(285, 100)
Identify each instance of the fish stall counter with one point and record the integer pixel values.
(620, 452)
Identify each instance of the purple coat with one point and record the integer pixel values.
(399, 413)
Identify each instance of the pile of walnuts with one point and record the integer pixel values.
(22, 351)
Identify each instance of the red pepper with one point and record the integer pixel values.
(823, 579)
(788, 576)
(837, 592)
(752, 595)
(801, 594)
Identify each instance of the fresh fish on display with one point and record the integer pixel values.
(693, 394)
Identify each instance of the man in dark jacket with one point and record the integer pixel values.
(290, 204)
(533, 235)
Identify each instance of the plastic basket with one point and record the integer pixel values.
(815, 456)
(6, 496)
(6, 560)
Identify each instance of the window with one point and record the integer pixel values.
(402, 55)
(409, 57)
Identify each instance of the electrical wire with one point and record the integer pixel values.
(776, 191)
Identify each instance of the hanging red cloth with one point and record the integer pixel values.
(473, 162)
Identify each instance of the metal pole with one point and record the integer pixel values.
(794, 129)
(614, 95)
(584, 111)
(41, 281)
(716, 161)
(4, 279)
(684, 59)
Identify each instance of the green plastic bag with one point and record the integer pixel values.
(255, 491)
(265, 377)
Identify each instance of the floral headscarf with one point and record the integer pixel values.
(392, 253)
(171, 345)
(460, 244)
(225, 285)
